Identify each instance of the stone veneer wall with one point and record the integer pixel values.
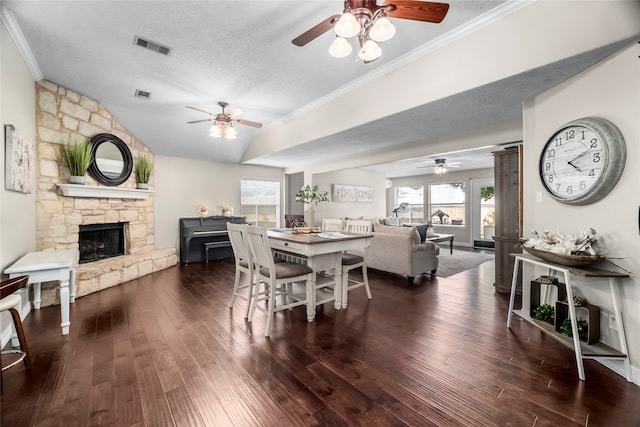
(63, 115)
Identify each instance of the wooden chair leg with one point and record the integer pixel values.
(21, 337)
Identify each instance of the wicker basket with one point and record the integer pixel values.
(566, 260)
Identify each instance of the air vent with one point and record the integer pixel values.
(142, 94)
(148, 44)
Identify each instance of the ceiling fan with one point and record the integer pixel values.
(223, 122)
(441, 166)
(369, 22)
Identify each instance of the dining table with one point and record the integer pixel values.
(322, 252)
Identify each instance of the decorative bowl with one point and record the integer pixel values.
(566, 260)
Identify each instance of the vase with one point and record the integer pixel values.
(309, 217)
(203, 213)
(143, 186)
(75, 179)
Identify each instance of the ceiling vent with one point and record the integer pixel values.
(142, 94)
(148, 44)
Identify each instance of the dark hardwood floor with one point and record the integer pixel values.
(166, 350)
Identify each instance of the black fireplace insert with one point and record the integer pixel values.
(100, 241)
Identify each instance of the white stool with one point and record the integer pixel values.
(10, 302)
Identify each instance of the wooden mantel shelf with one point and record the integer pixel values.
(75, 190)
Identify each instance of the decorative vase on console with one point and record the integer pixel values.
(311, 197)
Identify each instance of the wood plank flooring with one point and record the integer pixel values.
(166, 350)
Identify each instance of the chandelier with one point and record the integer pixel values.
(440, 168)
(370, 27)
(222, 126)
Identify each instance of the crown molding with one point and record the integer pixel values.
(9, 21)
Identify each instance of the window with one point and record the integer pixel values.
(447, 203)
(414, 196)
(260, 202)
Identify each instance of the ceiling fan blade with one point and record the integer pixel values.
(199, 121)
(235, 112)
(198, 109)
(248, 123)
(417, 10)
(316, 31)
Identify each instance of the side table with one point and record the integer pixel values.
(51, 265)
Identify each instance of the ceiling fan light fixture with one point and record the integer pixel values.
(440, 168)
(382, 30)
(340, 48)
(347, 26)
(370, 51)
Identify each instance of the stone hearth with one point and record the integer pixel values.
(63, 115)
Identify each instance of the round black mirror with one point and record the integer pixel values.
(111, 161)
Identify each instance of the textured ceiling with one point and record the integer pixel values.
(241, 52)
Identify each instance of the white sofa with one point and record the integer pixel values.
(398, 250)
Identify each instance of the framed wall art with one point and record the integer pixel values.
(352, 193)
(19, 160)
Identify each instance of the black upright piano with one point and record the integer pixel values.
(206, 238)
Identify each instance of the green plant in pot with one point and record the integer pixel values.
(143, 168)
(76, 156)
(311, 196)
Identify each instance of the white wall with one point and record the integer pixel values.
(611, 90)
(181, 185)
(17, 210)
(352, 210)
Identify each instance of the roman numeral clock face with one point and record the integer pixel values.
(583, 161)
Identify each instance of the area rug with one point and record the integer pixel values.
(459, 261)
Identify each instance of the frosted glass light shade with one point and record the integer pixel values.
(340, 48)
(230, 133)
(214, 131)
(347, 26)
(370, 51)
(382, 30)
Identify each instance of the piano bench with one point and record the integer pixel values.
(213, 245)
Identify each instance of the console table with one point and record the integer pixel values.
(45, 266)
(582, 350)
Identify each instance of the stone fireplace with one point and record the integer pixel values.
(63, 115)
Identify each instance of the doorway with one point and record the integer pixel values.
(483, 213)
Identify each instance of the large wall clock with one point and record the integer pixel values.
(583, 161)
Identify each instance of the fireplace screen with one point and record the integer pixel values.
(100, 241)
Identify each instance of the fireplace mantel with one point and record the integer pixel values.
(76, 190)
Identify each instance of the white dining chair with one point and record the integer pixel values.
(244, 264)
(352, 261)
(276, 279)
(330, 224)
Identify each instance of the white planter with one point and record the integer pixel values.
(143, 186)
(79, 180)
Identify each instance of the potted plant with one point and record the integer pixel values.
(76, 156)
(311, 196)
(144, 167)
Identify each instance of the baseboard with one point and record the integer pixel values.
(618, 367)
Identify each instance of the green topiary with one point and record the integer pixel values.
(545, 312)
(144, 167)
(76, 156)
